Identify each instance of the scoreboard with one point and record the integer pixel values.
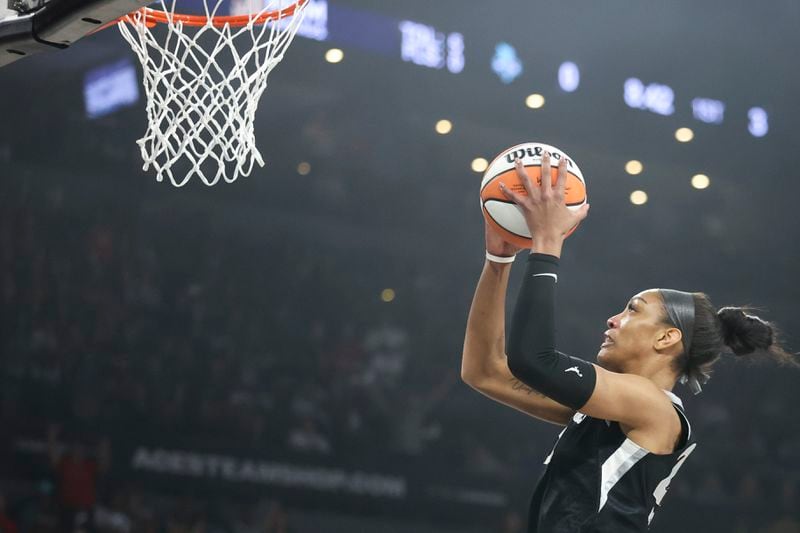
(448, 50)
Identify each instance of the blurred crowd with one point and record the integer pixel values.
(113, 326)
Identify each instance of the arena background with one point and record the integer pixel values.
(282, 353)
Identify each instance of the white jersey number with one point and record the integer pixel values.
(661, 488)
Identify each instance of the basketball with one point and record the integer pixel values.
(503, 214)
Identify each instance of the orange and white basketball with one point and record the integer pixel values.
(503, 214)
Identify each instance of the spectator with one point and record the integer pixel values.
(481, 461)
(512, 523)
(785, 524)
(387, 347)
(307, 438)
(278, 520)
(789, 520)
(7, 525)
(106, 324)
(77, 475)
(749, 493)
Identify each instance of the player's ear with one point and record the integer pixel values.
(667, 337)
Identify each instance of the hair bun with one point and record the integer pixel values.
(743, 333)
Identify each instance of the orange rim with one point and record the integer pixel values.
(156, 16)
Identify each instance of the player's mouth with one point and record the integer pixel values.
(607, 340)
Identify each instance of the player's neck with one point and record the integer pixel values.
(663, 377)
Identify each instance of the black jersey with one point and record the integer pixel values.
(599, 481)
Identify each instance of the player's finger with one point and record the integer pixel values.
(561, 182)
(523, 176)
(511, 195)
(547, 185)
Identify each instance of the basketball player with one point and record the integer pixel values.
(626, 434)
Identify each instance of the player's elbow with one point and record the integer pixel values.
(478, 382)
(466, 375)
(476, 375)
(471, 380)
(527, 368)
(471, 376)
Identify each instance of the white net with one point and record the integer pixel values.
(203, 85)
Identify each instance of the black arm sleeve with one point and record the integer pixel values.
(531, 349)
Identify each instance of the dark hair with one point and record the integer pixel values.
(734, 328)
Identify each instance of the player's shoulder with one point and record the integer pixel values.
(636, 390)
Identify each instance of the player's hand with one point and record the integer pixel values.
(547, 216)
(495, 244)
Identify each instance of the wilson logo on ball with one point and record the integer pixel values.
(503, 214)
(531, 152)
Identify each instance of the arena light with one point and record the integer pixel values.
(334, 55)
(700, 181)
(444, 126)
(684, 135)
(479, 164)
(535, 101)
(638, 197)
(634, 167)
(387, 295)
(304, 168)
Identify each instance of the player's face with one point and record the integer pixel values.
(632, 332)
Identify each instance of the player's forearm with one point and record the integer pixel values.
(484, 342)
(532, 354)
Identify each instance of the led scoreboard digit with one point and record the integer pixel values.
(708, 110)
(428, 47)
(758, 125)
(654, 97)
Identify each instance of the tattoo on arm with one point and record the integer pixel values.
(520, 386)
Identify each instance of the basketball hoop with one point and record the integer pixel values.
(203, 79)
